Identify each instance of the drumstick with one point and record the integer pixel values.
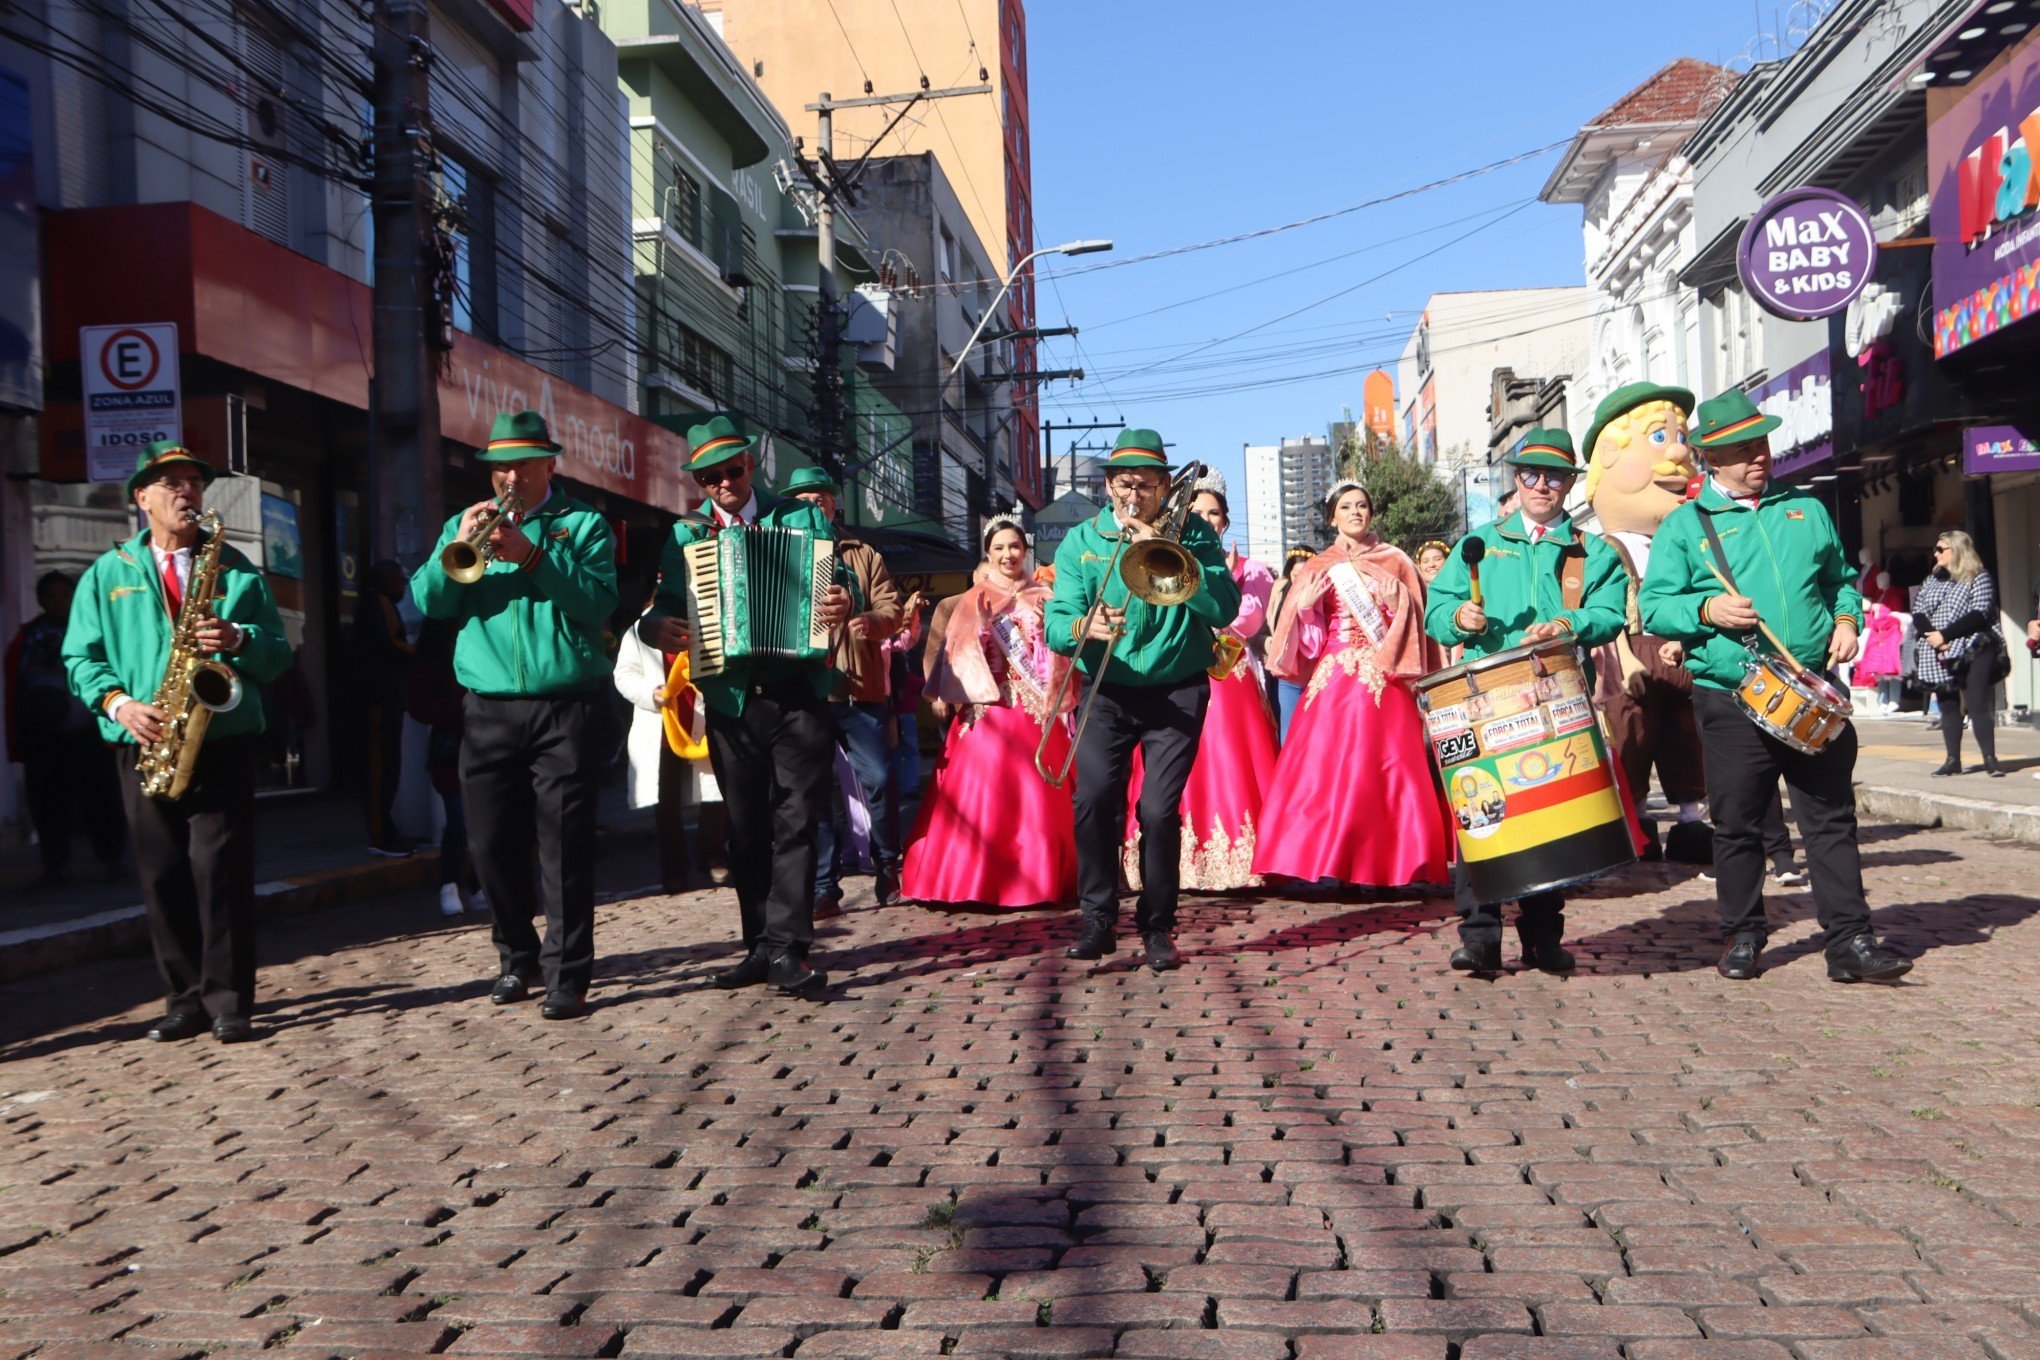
(1471, 551)
(1765, 628)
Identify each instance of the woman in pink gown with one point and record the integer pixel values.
(1353, 797)
(1236, 754)
(992, 832)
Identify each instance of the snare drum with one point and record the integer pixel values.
(1518, 747)
(1795, 705)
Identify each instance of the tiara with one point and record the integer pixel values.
(1212, 480)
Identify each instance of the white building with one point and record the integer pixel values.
(1627, 171)
(1445, 376)
(1286, 487)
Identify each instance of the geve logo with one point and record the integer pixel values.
(1997, 181)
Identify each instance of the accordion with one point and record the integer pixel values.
(753, 592)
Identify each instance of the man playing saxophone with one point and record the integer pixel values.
(194, 850)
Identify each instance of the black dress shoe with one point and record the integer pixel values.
(177, 1025)
(749, 973)
(1739, 960)
(828, 905)
(1162, 956)
(1948, 768)
(510, 989)
(1095, 943)
(563, 1006)
(886, 887)
(1860, 960)
(1477, 958)
(1993, 769)
(233, 1029)
(1548, 958)
(791, 974)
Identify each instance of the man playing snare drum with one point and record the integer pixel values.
(1743, 557)
(1539, 579)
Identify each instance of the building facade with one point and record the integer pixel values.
(982, 141)
(1445, 375)
(1286, 487)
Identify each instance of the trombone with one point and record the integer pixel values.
(465, 559)
(1157, 570)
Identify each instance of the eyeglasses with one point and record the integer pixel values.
(1558, 481)
(720, 473)
(1940, 548)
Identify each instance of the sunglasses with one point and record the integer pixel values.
(1940, 548)
(720, 473)
(1544, 477)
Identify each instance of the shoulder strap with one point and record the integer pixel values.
(1714, 542)
(1572, 573)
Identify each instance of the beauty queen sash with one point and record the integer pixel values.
(1359, 600)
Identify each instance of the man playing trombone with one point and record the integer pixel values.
(1145, 664)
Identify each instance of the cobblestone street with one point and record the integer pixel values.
(1313, 1142)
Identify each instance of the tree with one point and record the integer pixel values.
(1411, 503)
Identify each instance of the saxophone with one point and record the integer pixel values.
(194, 686)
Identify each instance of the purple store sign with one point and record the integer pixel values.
(1986, 185)
(1807, 254)
(1802, 397)
(1998, 448)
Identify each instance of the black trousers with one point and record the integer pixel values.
(1540, 917)
(1165, 722)
(1975, 694)
(1744, 765)
(384, 752)
(528, 770)
(196, 858)
(773, 763)
(71, 786)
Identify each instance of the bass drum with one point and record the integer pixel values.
(1518, 749)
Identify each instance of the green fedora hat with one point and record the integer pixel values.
(165, 453)
(716, 441)
(813, 477)
(1627, 398)
(516, 436)
(1731, 418)
(1544, 448)
(1139, 449)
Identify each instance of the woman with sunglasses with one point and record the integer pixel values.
(1525, 598)
(1958, 651)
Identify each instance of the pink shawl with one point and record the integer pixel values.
(1406, 651)
(958, 672)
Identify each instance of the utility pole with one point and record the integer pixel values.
(404, 461)
(831, 182)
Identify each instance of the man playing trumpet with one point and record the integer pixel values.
(1151, 695)
(531, 657)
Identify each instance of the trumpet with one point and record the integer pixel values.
(1159, 571)
(467, 557)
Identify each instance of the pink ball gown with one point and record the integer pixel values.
(1353, 798)
(1235, 763)
(991, 831)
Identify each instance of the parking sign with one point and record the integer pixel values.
(132, 397)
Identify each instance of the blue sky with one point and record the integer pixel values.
(1161, 125)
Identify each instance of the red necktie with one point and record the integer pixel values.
(173, 593)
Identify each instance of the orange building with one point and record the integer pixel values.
(799, 49)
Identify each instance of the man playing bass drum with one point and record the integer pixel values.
(1745, 553)
(195, 852)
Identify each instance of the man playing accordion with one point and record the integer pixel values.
(770, 738)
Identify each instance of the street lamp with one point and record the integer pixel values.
(1066, 248)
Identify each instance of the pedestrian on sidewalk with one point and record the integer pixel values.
(1961, 653)
(531, 655)
(436, 700)
(1746, 552)
(662, 778)
(195, 853)
(382, 675)
(66, 769)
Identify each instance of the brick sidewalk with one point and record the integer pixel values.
(1312, 1143)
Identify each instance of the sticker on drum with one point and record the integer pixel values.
(1521, 729)
(1571, 714)
(1531, 768)
(1478, 802)
(1447, 720)
(1456, 747)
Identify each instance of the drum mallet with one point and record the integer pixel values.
(1470, 552)
(1762, 627)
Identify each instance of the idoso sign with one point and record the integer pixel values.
(1807, 254)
